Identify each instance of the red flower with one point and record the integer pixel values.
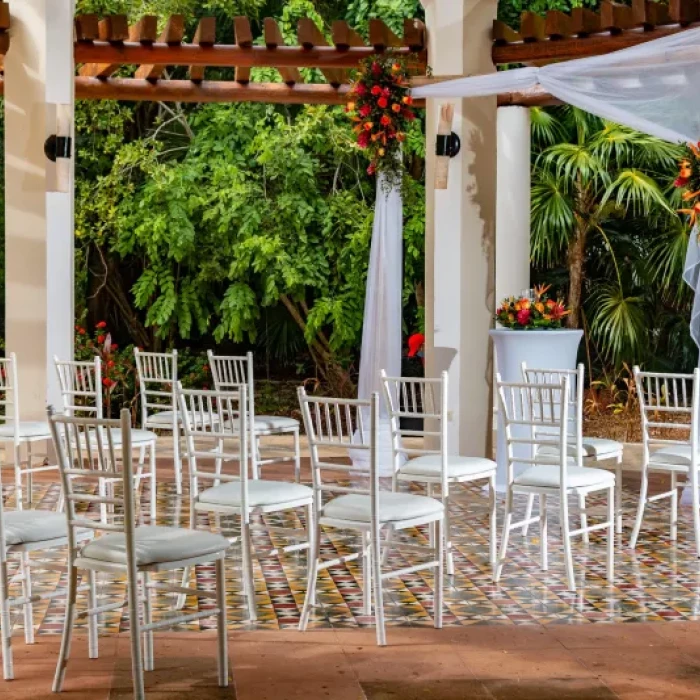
(363, 139)
(372, 168)
(114, 346)
(101, 324)
(385, 120)
(205, 368)
(81, 331)
(110, 363)
(523, 317)
(408, 114)
(100, 339)
(365, 110)
(376, 90)
(108, 382)
(360, 89)
(383, 102)
(408, 100)
(376, 68)
(680, 182)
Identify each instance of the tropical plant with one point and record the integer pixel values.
(604, 207)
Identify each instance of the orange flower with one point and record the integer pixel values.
(407, 100)
(381, 152)
(396, 107)
(551, 303)
(368, 126)
(351, 106)
(401, 136)
(525, 304)
(540, 290)
(539, 306)
(396, 67)
(385, 120)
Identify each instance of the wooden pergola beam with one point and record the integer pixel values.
(172, 36)
(229, 56)
(311, 38)
(204, 36)
(115, 29)
(244, 41)
(273, 40)
(567, 48)
(344, 36)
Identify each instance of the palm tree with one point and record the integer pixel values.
(602, 199)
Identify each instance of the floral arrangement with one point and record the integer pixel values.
(689, 180)
(380, 106)
(541, 312)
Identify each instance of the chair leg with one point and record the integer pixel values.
(64, 653)
(584, 517)
(493, 522)
(255, 458)
(185, 582)
(674, 507)
(543, 531)
(390, 537)
(93, 641)
(148, 661)
(506, 534)
(222, 664)
(177, 462)
(310, 599)
(154, 483)
(5, 625)
(439, 575)
(566, 537)
(248, 577)
(25, 567)
(19, 488)
(447, 534)
(610, 575)
(367, 572)
(30, 480)
(640, 509)
(528, 513)
(618, 494)
(377, 583)
(310, 534)
(696, 513)
(297, 457)
(135, 637)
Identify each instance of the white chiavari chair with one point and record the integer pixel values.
(229, 371)
(670, 408)
(16, 433)
(87, 452)
(216, 434)
(81, 392)
(543, 411)
(585, 450)
(338, 424)
(157, 374)
(425, 400)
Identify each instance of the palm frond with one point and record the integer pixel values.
(552, 217)
(636, 193)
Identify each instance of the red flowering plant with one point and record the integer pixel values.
(689, 180)
(540, 313)
(381, 107)
(118, 367)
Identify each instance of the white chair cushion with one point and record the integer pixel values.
(26, 526)
(673, 455)
(265, 424)
(161, 418)
(392, 507)
(260, 493)
(156, 545)
(138, 437)
(457, 466)
(598, 447)
(548, 475)
(27, 429)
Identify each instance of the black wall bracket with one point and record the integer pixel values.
(448, 145)
(58, 147)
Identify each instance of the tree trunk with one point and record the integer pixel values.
(576, 259)
(336, 376)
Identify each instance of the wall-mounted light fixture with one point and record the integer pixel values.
(447, 146)
(58, 147)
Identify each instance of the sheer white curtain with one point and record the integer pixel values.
(381, 332)
(653, 87)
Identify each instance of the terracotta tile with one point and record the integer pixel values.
(421, 690)
(604, 635)
(503, 637)
(304, 690)
(550, 689)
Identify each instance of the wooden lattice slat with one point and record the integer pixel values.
(558, 25)
(585, 21)
(649, 14)
(503, 34)
(115, 29)
(344, 36)
(244, 39)
(273, 39)
(204, 36)
(311, 36)
(145, 31)
(87, 27)
(532, 27)
(172, 34)
(614, 17)
(414, 34)
(380, 36)
(684, 11)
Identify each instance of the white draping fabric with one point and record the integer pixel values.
(653, 87)
(691, 276)
(381, 331)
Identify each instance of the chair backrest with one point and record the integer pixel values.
(9, 393)
(212, 421)
(157, 373)
(535, 415)
(534, 375)
(669, 405)
(340, 425)
(230, 371)
(85, 448)
(81, 386)
(424, 400)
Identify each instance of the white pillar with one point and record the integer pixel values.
(513, 202)
(460, 226)
(39, 308)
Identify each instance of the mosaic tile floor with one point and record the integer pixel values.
(660, 581)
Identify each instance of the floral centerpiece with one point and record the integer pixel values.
(541, 312)
(689, 180)
(380, 106)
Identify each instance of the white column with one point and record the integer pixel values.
(460, 226)
(513, 202)
(39, 307)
